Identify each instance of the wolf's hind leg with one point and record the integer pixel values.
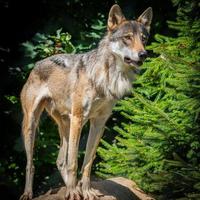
(32, 111)
(62, 155)
(63, 123)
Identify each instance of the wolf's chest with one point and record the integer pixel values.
(98, 107)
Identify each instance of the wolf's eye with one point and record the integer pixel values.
(143, 37)
(128, 37)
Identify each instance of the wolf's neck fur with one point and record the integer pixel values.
(108, 73)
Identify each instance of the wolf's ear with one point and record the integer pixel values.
(115, 17)
(146, 18)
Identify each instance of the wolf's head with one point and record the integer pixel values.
(129, 37)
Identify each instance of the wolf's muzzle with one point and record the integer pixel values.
(142, 55)
(131, 62)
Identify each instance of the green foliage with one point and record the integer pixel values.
(43, 46)
(158, 140)
(12, 99)
(89, 40)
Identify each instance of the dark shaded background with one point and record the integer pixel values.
(20, 20)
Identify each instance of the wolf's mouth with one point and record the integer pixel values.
(131, 62)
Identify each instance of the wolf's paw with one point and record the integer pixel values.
(88, 192)
(73, 194)
(26, 196)
(91, 194)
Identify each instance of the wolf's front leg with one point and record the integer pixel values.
(95, 134)
(73, 192)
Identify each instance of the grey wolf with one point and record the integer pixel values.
(75, 88)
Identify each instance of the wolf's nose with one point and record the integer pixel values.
(142, 54)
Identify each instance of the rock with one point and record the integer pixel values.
(114, 189)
